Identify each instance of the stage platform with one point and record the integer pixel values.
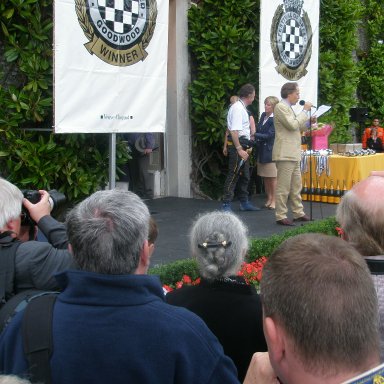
(174, 217)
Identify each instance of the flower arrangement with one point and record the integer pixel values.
(251, 272)
(320, 129)
(185, 280)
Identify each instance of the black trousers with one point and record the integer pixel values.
(138, 176)
(236, 177)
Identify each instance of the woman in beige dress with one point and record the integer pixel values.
(265, 137)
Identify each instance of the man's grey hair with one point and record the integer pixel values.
(11, 201)
(219, 243)
(361, 216)
(246, 90)
(107, 231)
(319, 289)
(11, 379)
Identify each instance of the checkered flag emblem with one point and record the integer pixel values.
(292, 40)
(120, 16)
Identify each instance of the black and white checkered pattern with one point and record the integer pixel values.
(292, 40)
(119, 15)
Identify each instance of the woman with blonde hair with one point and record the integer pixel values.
(265, 138)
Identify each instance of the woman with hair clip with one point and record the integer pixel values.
(230, 308)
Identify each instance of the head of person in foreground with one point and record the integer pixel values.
(108, 233)
(219, 243)
(361, 216)
(320, 311)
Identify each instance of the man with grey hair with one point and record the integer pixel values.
(320, 315)
(111, 311)
(361, 217)
(33, 263)
(287, 154)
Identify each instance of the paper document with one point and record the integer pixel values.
(320, 111)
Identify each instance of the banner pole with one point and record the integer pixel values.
(112, 160)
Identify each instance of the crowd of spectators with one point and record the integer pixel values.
(316, 319)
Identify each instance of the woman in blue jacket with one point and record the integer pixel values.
(265, 137)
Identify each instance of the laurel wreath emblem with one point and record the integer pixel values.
(290, 74)
(81, 12)
(86, 26)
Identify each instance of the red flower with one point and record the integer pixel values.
(179, 284)
(167, 288)
(186, 279)
(340, 231)
(252, 272)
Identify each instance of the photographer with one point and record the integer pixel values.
(238, 164)
(34, 263)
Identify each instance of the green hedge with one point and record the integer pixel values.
(173, 272)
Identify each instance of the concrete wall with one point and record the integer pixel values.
(176, 176)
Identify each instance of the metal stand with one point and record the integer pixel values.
(310, 166)
(112, 160)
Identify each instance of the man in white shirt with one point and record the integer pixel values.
(238, 157)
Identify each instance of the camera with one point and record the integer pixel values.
(56, 199)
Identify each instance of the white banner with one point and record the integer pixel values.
(289, 47)
(110, 72)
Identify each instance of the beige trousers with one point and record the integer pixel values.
(288, 187)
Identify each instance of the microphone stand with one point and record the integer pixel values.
(310, 165)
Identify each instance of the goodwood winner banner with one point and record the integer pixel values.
(110, 65)
(289, 44)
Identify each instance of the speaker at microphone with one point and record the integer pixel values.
(302, 102)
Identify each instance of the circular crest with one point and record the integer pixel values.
(118, 30)
(291, 41)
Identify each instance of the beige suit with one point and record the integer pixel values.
(287, 155)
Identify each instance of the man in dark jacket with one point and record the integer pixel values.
(111, 323)
(141, 145)
(35, 262)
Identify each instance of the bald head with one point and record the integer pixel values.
(371, 186)
(361, 215)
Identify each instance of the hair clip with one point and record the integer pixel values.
(214, 244)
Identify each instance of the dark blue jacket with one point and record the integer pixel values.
(118, 329)
(265, 137)
(148, 138)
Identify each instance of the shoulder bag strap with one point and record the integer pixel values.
(7, 268)
(37, 337)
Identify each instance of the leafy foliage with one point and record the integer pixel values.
(338, 69)
(264, 247)
(223, 42)
(372, 59)
(75, 164)
(171, 273)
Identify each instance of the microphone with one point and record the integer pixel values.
(302, 102)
